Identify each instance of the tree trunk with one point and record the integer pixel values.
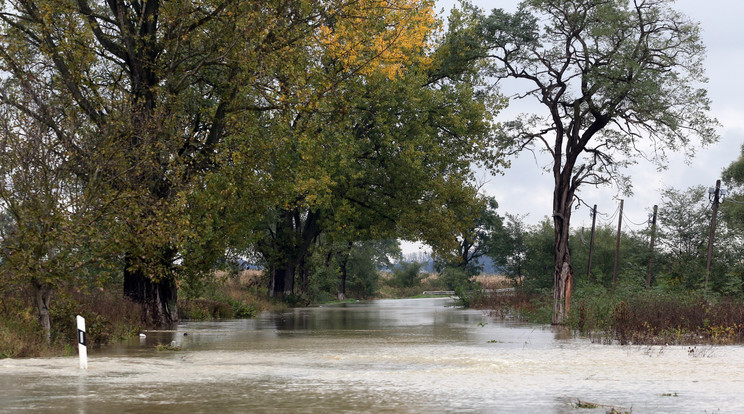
(158, 299)
(287, 249)
(563, 272)
(282, 280)
(43, 297)
(343, 276)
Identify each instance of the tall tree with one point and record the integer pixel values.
(387, 155)
(47, 216)
(509, 250)
(619, 80)
(478, 238)
(172, 91)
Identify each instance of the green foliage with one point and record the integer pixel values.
(109, 318)
(365, 261)
(588, 64)
(684, 226)
(243, 310)
(484, 232)
(468, 294)
(325, 274)
(538, 266)
(205, 309)
(219, 297)
(454, 278)
(633, 254)
(167, 347)
(592, 310)
(656, 316)
(358, 262)
(732, 211)
(406, 275)
(378, 158)
(508, 249)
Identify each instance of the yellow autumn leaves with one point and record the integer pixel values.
(379, 36)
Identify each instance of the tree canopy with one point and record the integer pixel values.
(618, 81)
(179, 131)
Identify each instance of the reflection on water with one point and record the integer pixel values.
(403, 356)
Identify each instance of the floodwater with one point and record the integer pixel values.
(388, 356)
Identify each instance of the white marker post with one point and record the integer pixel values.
(82, 347)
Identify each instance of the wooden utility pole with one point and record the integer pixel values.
(591, 243)
(617, 245)
(651, 247)
(716, 201)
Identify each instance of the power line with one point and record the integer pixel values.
(645, 223)
(611, 218)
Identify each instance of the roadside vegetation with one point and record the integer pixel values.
(150, 155)
(110, 317)
(660, 296)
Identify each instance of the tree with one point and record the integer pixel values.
(684, 226)
(340, 268)
(733, 212)
(733, 177)
(509, 249)
(477, 239)
(633, 254)
(175, 93)
(47, 217)
(537, 268)
(387, 155)
(615, 78)
(150, 84)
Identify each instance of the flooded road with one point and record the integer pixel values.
(389, 356)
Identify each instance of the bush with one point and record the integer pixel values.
(21, 335)
(223, 297)
(205, 309)
(466, 297)
(519, 303)
(454, 278)
(406, 275)
(243, 310)
(109, 317)
(657, 317)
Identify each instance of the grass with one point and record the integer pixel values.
(227, 296)
(494, 281)
(21, 336)
(643, 317)
(109, 318)
(518, 304)
(389, 289)
(585, 404)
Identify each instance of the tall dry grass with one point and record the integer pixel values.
(241, 295)
(109, 317)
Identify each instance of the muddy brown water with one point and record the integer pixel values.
(388, 356)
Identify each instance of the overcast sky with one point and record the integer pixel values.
(525, 190)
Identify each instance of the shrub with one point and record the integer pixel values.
(657, 317)
(243, 310)
(406, 275)
(205, 309)
(454, 278)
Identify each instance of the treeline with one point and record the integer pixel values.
(145, 145)
(677, 262)
(141, 143)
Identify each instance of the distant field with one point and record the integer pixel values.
(494, 281)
